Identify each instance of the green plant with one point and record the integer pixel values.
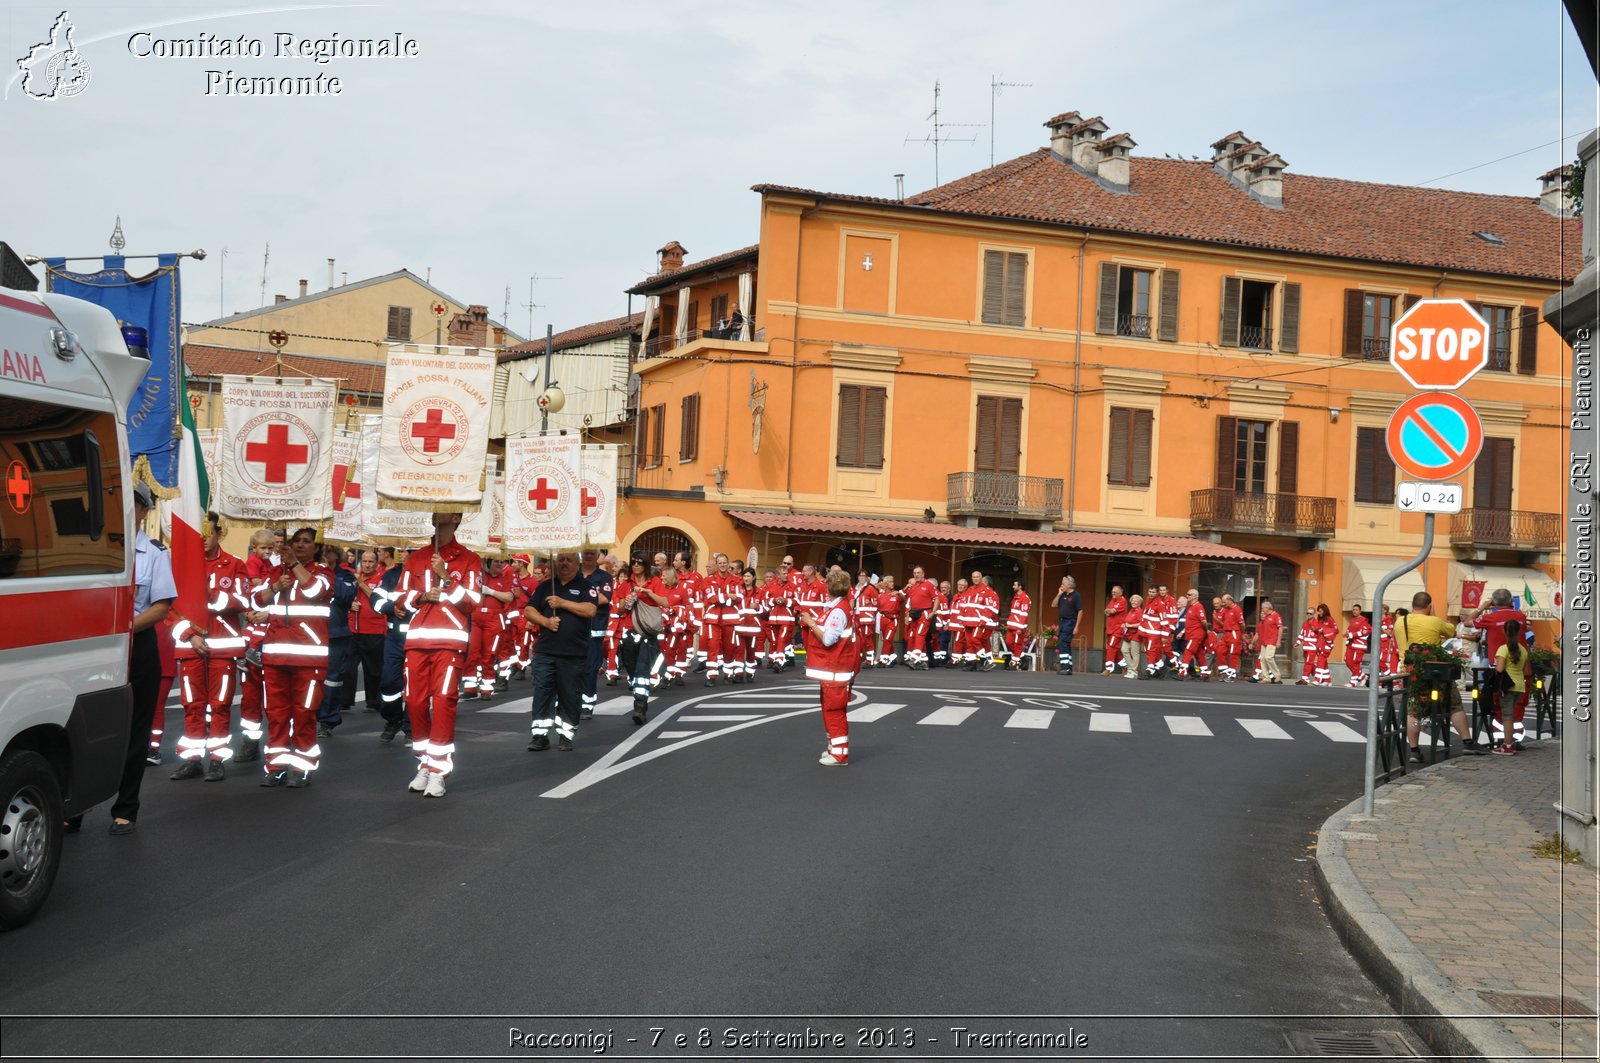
(1423, 662)
(1575, 178)
(1545, 662)
(1052, 638)
(1555, 847)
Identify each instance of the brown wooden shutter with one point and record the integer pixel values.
(1117, 470)
(1009, 457)
(988, 434)
(658, 433)
(1382, 469)
(1105, 315)
(1016, 293)
(1143, 421)
(994, 271)
(1232, 295)
(1288, 457)
(1367, 443)
(1167, 326)
(873, 401)
(1289, 330)
(689, 439)
(849, 425)
(1227, 440)
(1528, 341)
(1352, 322)
(1406, 304)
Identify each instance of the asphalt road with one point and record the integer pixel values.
(1126, 861)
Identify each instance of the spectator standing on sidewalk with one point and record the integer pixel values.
(1492, 628)
(1269, 630)
(1421, 627)
(1068, 605)
(1511, 659)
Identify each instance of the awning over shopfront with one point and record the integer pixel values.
(887, 530)
(1362, 576)
(1538, 596)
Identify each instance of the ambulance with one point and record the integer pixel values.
(66, 579)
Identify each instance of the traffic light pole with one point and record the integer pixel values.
(1374, 656)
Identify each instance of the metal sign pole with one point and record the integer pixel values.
(1374, 655)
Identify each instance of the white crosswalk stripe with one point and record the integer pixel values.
(871, 712)
(1339, 732)
(1188, 725)
(1118, 722)
(715, 719)
(677, 734)
(1264, 729)
(949, 715)
(1036, 718)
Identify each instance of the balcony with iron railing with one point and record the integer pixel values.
(670, 344)
(1375, 348)
(1004, 494)
(1506, 529)
(1255, 337)
(1217, 509)
(1135, 325)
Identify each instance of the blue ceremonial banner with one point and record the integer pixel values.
(147, 305)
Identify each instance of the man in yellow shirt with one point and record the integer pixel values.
(1421, 626)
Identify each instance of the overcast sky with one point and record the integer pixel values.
(569, 141)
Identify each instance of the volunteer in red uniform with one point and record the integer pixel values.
(779, 629)
(1388, 650)
(208, 654)
(675, 619)
(505, 653)
(1017, 624)
(922, 600)
(833, 656)
(440, 588)
(1357, 640)
(863, 599)
(252, 685)
(891, 604)
(619, 587)
(1151, 632)
(811, 598)
(483, 640)
(1327, 632)
(518, 623)
(1231, 634)
(1194, 664)
(295, 660)
(948, 651)
(1307, 641)
(1116, 609)
(1269, 632)
(747, 630)
(988, 603)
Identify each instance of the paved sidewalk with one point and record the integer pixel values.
(1472, 936)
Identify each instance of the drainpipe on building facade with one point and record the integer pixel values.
(1077, 364)
(794, 355)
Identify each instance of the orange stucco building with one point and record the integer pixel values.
(1124, 368)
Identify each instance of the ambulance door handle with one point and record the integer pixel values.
(97, 497)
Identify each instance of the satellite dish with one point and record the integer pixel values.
(635, 385)
(530, 371)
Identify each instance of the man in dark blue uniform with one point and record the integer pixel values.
(562, 606)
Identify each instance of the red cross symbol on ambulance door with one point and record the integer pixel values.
(19, 487)
(277, 454)
(543, 494)
(432, 429)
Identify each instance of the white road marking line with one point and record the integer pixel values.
(1264, 729)
(620, 705)
(1339, 732)
(716, 719)
(1036, 718)
(1119, 722)
(1188, 725)
(949, 716)
(869, 713)
(677, 734)
(509, 710)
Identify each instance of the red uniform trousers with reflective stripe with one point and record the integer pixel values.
(917, 637)
(252, 697)
(1355, 660)
(1016, 641)
(293, 695)
(1194, 653)
(713, 646)
(1232, 643)
(1113, 650)
(779, 635)
(206, 685)
(431, 700)
(482, 643)
(835, 702)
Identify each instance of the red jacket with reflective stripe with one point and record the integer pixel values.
(837, 663)
(1018, 618)
(297, 631)
(227, 597)
(441, 625)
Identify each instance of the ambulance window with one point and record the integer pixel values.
(59, 516)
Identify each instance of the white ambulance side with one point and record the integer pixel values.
(66, 557)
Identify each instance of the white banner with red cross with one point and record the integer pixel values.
(544, 494)
(277, 450)
(483, 531)
(346, 527)
(381, 526)
(597, 498)
(435, 427)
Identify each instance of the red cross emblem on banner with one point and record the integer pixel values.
(432, 429)
(543, 494)
(19, 487)
(344, 487)
(587, 502)
(276, 454)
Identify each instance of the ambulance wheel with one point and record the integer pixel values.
(31, 833)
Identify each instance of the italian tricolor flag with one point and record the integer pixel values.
(189, 519)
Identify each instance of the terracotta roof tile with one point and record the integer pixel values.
(575, 337)
(1085, 542)
(684, 272)
(1063, 117)
(1235, 135)
(1120, 140)
(1087, 123)
(1175, 198)
(363, 377)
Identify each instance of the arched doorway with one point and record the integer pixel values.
(667, 541)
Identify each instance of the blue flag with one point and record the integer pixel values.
(147, 309)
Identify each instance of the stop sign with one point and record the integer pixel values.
(1438, 344)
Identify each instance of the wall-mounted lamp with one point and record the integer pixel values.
(866, 261)
(1333, 414)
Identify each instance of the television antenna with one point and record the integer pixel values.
(266, 256)
(995, 85)
(939, 136)
(530, 305)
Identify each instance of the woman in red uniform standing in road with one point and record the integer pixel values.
(833, 656)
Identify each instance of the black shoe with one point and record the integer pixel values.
(389, 731)
(538, 743)
(191, 770)
(324, 731)
(274, 778)
(371, 708)
(298, 780)
(611, 681)
(154, 760)
(124, 828)
(215, 772)
(564, 744)
(1416, 756)
(640, 709)
(250, 752)
(711, 682)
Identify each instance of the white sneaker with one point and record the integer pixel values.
(420, 783)
(435, 785)
(831, 761)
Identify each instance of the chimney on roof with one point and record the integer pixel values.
(305, 287)
(1113, 166)
(499, 335)
(1554, 195)
(470, 328)
(1082, 144)
(1252, 167)
(670, 257)
(280, 298)
(330, 273)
